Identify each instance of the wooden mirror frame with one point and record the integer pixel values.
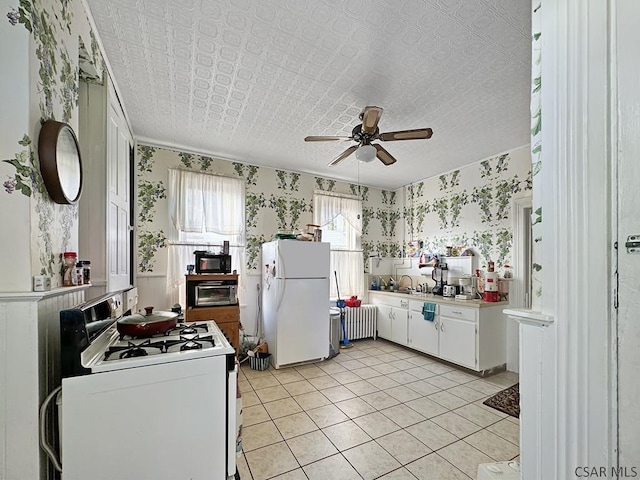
(60, 162)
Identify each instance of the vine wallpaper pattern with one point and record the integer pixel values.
(275, 200)
(469, 207)
(450, 209)
(536, 153)
(61, 34)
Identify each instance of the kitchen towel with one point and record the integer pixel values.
(429, 311)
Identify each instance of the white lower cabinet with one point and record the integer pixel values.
(458, 341)
(399, 325)
(392, 318)
(383, 318)
(423, 334)
(473, 337)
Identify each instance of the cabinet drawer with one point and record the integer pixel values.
(416, 305)
(463, 313)
(219, 314)
(390, 300)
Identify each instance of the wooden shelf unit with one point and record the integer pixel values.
(226, 317)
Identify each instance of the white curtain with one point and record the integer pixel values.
(204, 211)
(327, 208)
(346, 251)
(206, 203)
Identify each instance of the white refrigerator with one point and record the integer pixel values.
(295, 300)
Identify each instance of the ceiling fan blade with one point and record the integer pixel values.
(313, 138)
(370, 118)
(420, 133)
(384, 156)
(344, 155)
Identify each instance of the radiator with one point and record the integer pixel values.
(360, 322)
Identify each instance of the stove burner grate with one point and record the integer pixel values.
(132, 350)
(188, 329)
(194, 343)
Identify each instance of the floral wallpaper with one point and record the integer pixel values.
(60, 34)
(536, 153)
(469, 207)
(276, 200)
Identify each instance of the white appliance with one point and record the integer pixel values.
(162, 407)
(295, 299)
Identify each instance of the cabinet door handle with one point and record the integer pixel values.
(435, 325)
(457, 312)
(441, 327)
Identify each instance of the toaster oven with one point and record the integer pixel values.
(214, 293)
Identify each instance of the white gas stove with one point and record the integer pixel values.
(162, 407)
(186, 341)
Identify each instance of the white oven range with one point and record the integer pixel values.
(162, 407)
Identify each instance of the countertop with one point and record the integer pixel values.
(428, 297)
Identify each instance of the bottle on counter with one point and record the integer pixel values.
(86, 271)
(507, 272)
(70, 260)
(78, 276)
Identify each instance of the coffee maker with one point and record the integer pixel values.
(467, 288)
(439, 275)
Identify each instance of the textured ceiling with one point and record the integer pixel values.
(247, 80)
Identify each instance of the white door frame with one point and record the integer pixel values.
(577, 253)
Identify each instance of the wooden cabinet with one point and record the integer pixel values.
(226, 317)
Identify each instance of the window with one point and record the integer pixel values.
(340, 218)
(204, 210)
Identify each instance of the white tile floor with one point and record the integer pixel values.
(376, 410)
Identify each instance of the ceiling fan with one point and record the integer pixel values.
(367, 132)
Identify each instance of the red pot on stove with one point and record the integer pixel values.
(151, 323)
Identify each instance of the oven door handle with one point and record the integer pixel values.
(51, 453)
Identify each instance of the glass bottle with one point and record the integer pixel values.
(86, 271)
(507, 272)
(70, 260)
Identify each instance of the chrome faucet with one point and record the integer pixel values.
(410, 279)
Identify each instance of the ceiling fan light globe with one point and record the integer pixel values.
(366, 153)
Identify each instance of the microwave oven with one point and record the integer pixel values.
(214, 293)
(207, 262)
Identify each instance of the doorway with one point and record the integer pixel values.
(521, 286)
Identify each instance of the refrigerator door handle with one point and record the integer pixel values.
(283, 276)
(283, 285)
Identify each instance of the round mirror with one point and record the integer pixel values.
(60, 162)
